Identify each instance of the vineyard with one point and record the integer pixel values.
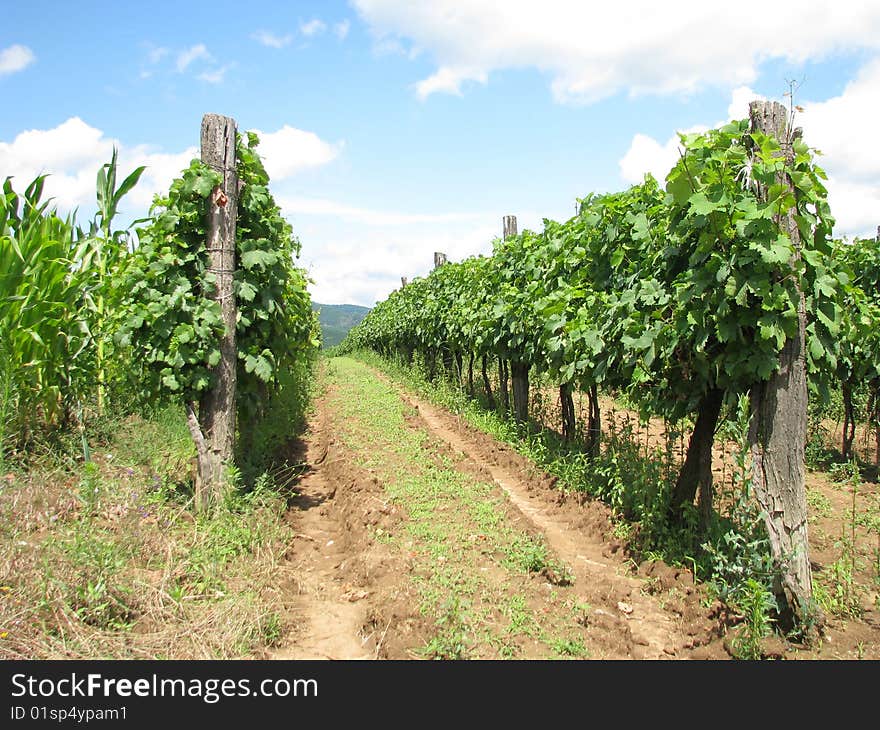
(650, 431)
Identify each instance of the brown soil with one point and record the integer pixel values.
(831, 508)
(640, 612)
(343, 575)
(354, 597)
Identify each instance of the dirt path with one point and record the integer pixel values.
(649, 626)
(325, 613)
(411, 531)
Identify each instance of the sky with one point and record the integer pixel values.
(392, 129)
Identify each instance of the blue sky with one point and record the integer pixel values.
(394, 129)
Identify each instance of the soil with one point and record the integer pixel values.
(354, 597)
(342, 574)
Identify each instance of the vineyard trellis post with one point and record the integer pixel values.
(778, 426)
(874, 403)
(214, 432)
(519, 371)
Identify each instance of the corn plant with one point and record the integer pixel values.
(99, 255)
(43, 334)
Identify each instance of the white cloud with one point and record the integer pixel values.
(15, 58)
(271, 40)
(215, 76)
(194, 53)
(156, 54)
(295, 205)
(365, 268)
(740, 98)
(646, 154)
(844, 126)
(448, 80)
(592, 50)
(312, 27)
(855, 207)
(841, 128)
(290, 150)
(73, 152)
(341, 29)
(357, 255)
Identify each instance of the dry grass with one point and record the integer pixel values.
(108, 560)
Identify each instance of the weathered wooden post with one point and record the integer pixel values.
(778, 426)
(873, 407)
(508, 224)
(214, 431)
(519, 371)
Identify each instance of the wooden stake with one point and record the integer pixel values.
(509, 226)
(778, 426)
(217, 405)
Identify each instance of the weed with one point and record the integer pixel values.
(451, 641)
(756, 603)
(89, 488)
(842, 597)
(574, 648)
(819, 503)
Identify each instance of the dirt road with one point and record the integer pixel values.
(417, 537)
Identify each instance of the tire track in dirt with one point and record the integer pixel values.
(599, 574)
(353, 597)
(326, 615)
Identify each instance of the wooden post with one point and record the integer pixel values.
(778, 426)
(509, 226)
(519, 370)
(439, 259)
(216, 419)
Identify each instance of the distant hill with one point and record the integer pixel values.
(337, 319)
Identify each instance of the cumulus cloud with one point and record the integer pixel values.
(312, 27)
(357, 255)
(591, 51)
(290, 150)
(841, 128)
(73, 152)
(271, 40)
(448, 80)
(363, 267)
(15, 58)
(844, 126)
(646, 154)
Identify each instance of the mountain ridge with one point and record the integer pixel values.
(337, 319)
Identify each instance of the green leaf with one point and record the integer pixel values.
(170, 381)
